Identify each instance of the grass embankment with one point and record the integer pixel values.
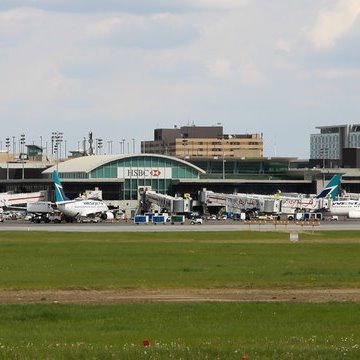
(178, 260)
(186, 331)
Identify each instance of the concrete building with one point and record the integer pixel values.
(328, 146)
(189, 142)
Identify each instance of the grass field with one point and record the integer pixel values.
(181, 331)
(177, 260)
(216, 330)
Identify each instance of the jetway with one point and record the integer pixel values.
(268, 204)
(170, 203)
(238, 203)
(304, 204)
(10, 199)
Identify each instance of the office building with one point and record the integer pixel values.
(189, 142)
(328, 146)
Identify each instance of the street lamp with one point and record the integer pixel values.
(324, 152)
(56, 140)
(14, 145)
(99, 145)
(123, 146)
(22, 143)
(7, 144)
(223, 168)
(133, 143)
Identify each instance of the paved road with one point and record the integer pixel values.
(208, 226)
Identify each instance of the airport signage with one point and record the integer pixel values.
(145, 172)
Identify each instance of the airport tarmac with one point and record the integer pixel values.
(12, 225)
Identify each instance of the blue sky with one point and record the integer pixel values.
(122, 68)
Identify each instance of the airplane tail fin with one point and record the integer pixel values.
(332, 188)
(59, 192)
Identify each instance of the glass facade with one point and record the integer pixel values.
(235, 168)
(325, 146)
(354, 140)
(140, 171)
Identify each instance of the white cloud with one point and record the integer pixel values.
(218, 4)
(332, 24)
(122, 67)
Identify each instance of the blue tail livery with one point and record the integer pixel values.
(59, 192)
(332, 188)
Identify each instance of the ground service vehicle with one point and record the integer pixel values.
(177, 219)
(159, 219)
(141, 219)
(196, 221)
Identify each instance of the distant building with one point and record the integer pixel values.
(34, 152)
(327, 148)
(188, 142)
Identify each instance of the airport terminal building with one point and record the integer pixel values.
(121, 176)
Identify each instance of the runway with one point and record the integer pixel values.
(12, 225)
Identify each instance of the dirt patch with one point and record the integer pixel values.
(175, 295)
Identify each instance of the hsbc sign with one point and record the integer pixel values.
(144, 173)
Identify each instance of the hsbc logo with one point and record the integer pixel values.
(145, 173)
(155, 172)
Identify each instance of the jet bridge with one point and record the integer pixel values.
(238, 203)
(170, 203)
(268, 204)
(11, 199)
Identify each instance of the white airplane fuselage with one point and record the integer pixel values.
(82, 208)
(350, 208)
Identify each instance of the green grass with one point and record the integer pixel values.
(181, 331)
(177, 260)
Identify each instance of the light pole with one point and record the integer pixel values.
(133, 143)
(56, 140)
(223, 167)
(22, 143)
(7, 145)
(14, 145)
(323, 153)
(123, 146)
(99, 146)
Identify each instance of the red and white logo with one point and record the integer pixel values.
(155, 172)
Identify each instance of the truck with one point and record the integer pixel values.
(40, 207)
(177, 219)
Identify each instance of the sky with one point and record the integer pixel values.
(121, 68)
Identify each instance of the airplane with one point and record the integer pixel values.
(79, 208)
(349, 208)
